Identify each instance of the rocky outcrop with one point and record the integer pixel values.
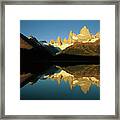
(97, 35)
(59, 41)
(85, 31)
(52, 42)
(83, 37)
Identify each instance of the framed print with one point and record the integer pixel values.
(60, 59)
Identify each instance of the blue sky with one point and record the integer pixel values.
(51, 29)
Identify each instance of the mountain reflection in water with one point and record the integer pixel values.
(63, 82)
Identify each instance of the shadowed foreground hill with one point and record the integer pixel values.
(32, 50)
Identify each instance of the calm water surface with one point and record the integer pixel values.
(77, 82)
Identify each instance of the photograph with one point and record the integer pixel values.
(59, 59)
(58, 56)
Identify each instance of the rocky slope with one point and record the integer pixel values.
(83, 49)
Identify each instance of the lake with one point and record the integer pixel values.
(60, 82)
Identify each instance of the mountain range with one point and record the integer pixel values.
(84, 46)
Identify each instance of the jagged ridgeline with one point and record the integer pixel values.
(85, 43)
(76, 46)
